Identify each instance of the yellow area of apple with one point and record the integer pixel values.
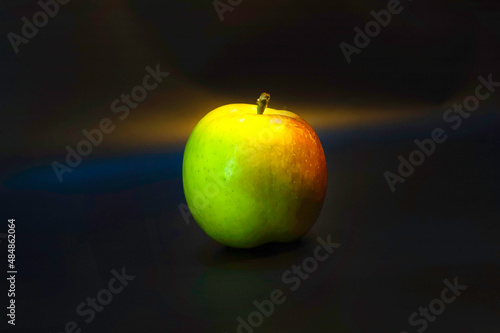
(250, 178)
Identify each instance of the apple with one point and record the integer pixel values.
(254, 175)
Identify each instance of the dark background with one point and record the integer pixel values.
(119, 208)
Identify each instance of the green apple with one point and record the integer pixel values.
(254, 175)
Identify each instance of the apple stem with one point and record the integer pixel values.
(262, 102)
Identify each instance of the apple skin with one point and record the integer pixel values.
(251, 179)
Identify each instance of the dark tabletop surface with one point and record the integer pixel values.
(396, 249)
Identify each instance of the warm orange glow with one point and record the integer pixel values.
(157, 129)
